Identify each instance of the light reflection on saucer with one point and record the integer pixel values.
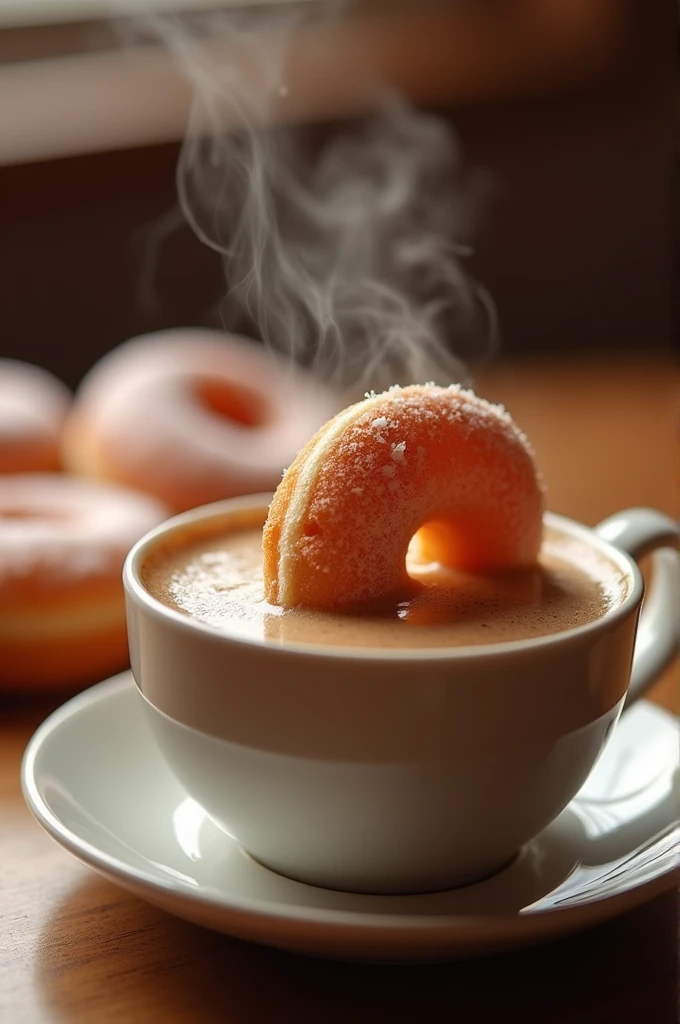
(614, 847)
(187, 821)
(595, 848)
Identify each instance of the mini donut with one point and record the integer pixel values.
(192, 416)
(438, 464)
(33, 408)
(63, 542)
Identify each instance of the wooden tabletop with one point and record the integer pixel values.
(76, 948)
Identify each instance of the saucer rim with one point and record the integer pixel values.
(523, 927)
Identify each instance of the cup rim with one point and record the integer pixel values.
(136, 590)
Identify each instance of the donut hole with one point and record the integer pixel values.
(434, 543)
(234, 402)
(447, 556)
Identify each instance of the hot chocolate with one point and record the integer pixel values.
(213, 573)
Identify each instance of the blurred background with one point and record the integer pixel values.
(569, 105)
(556, 120)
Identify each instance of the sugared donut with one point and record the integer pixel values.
(33, 407)
(63, 542)
(437, 462)
(192, 416)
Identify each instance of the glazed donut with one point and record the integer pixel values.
(33, 407)
(437, 464)
(192, 416)
(62, 546)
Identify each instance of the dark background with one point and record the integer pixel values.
(576, 245)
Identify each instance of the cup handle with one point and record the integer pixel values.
(639, 532)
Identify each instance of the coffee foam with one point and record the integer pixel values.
(215, 577)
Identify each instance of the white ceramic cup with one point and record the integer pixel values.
(372, 770)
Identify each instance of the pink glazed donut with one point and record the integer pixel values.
(192, 416)
(63, 542)
(33, 408)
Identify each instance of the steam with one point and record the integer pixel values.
(349, 255)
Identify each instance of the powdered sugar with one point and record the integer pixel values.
(471, 469)
(399, 452)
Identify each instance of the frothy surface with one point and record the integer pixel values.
(216, 578)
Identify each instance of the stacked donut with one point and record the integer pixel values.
(161, 424)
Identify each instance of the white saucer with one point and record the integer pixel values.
(93, 778)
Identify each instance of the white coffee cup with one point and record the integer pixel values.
(374, 770)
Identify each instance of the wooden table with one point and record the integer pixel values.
(76, 948)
